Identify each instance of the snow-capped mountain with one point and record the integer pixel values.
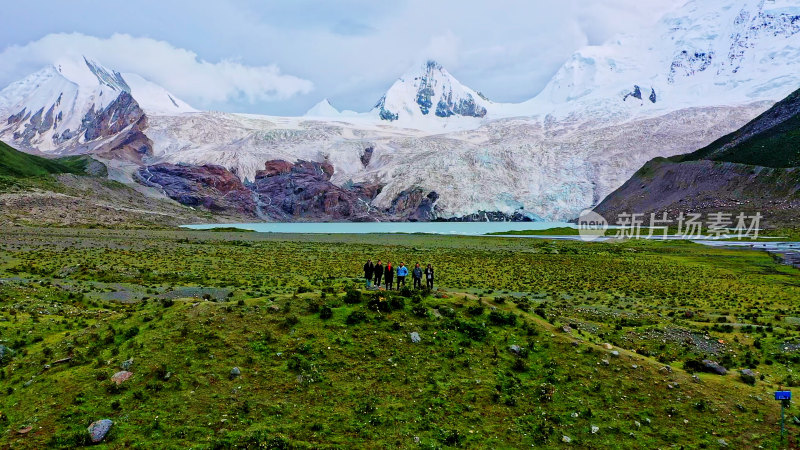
(79, 105)
(430, 91)
(707, 53)
(703, 71)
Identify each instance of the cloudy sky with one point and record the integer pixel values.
(281, 57)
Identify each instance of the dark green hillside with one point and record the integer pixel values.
(770, 140)
(17, 164)
(14, 163)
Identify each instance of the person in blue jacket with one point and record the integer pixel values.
(416, 275)
(402, 272)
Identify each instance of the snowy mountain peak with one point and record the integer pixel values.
(430, 91)
(322, 109)
(89, 73)
(107, 77)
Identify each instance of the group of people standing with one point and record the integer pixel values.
(375, 273)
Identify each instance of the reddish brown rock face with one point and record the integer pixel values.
(211, 187)
(415, 204)
(284, 191)
(303, 190)
(129, 146)
(275, 167)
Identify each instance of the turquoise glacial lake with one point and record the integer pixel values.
(454, 228)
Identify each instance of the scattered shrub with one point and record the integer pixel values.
(447, 311)
(325, 312)
(747, 379)
(450, 437)
(475, 310)
(298, 363)
(469, 329)
(397, 303)
(356, 317)
(378, 305)
(419, 311)
(546, 392)
(131, 332)
(313, 306)
(352, 296)
(500, 319)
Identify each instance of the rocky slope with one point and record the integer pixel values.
(84, 201)
(74, 191)
(211, 187)
(754, 169)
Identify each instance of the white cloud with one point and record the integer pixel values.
(444, 49)
(180, 71)
(352, 50)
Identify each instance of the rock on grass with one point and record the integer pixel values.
(714, 367)
(121, 376)
(99, 429)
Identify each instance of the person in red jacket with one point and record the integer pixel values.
(388, 276)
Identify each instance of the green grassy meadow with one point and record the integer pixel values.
(326, 364)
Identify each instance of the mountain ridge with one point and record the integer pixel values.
(704, 71)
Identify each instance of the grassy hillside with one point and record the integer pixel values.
(14, 163)
(770, 140)
(324, 364)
